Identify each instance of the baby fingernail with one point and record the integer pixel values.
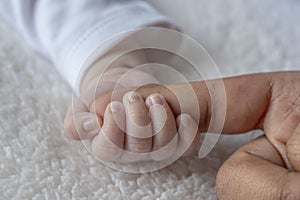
(115, 107)
(91, 124)
(185, 121)
(155, 99)
(134, 97)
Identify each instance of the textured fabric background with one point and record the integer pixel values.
(38, 162)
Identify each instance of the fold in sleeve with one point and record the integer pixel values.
(66, 32)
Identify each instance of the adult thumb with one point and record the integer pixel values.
(293, 149)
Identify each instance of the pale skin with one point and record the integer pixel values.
(269, 102)
(113, 141)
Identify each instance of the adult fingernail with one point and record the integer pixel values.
(155, 99)
(91, 124)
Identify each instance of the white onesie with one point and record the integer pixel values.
(67, 31)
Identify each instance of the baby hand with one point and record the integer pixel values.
(140, 130)
(81, 124)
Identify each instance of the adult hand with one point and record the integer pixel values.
(270, 102)
(269, 167)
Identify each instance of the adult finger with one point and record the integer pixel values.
(257, 171)
(252, 90)
(293, 149)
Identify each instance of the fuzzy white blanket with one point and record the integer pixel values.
(39, 162)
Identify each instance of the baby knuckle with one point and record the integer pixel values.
(170, 123)
(70, 129)
(141, 145)
(137, 114)
(108, 153)
(169, 112)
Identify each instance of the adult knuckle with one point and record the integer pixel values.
(290, 190)
(223, 180)
(293, 151)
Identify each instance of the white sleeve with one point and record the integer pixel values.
(67, 31)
